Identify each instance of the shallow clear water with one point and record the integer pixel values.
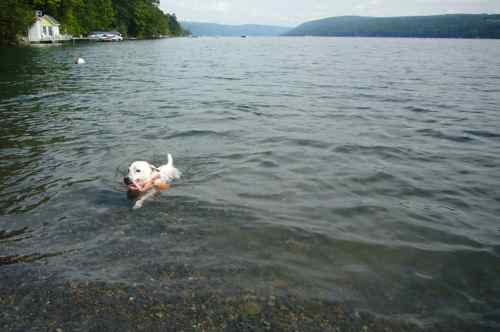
(364, 171)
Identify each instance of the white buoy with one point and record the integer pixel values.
(79, 61)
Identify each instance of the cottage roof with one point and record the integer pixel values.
(51, 20)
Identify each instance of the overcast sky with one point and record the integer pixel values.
(294, 12)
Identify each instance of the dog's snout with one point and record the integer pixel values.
(127, 181)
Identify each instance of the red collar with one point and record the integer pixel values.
(153, 179)
(148, 184)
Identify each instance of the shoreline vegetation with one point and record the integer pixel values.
(139, 19)
(434, 26)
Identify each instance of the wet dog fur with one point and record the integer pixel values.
(144, 179)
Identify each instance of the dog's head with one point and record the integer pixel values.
(139, 172)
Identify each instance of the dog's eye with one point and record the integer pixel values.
(138, 170)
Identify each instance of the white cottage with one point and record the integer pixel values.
(45, 29)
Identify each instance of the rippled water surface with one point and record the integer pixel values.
(363, 171)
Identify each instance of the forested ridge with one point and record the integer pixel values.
(135, 18)
(436, 26)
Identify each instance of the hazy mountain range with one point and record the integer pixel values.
(437, 26)
(213, 29)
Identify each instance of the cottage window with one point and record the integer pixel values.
(44, 30)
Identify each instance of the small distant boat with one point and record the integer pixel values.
(243, 36)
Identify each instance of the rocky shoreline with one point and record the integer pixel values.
(99, 306)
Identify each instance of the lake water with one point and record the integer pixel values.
(364, 172)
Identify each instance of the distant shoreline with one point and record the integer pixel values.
(391, 37)
(463, 26)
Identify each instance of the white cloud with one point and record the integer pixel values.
(294, 12)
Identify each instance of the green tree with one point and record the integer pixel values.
(96, 15)
(140, 18)
(15, 18)
(65, 11)
(174, 26)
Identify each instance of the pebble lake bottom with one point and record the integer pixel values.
(329, 184)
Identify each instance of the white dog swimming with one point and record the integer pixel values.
(146, 179)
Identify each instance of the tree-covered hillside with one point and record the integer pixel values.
(438, 26)
(138, 18)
